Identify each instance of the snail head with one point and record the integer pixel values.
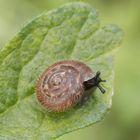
(95, 81)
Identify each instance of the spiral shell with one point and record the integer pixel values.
(61, 85)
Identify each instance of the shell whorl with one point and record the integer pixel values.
(61, 85)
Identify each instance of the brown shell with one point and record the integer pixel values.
(61, 85)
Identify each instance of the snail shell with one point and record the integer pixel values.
(61, 85)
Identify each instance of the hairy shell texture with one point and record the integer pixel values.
(61, 85)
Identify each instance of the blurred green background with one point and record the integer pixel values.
(123, 121)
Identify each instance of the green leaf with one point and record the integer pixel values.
(69, 32)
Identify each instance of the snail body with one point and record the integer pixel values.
(62, 85)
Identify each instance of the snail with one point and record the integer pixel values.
(63, 85)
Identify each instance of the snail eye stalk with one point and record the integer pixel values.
(94, 82)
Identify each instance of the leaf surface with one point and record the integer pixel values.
(69, 32)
